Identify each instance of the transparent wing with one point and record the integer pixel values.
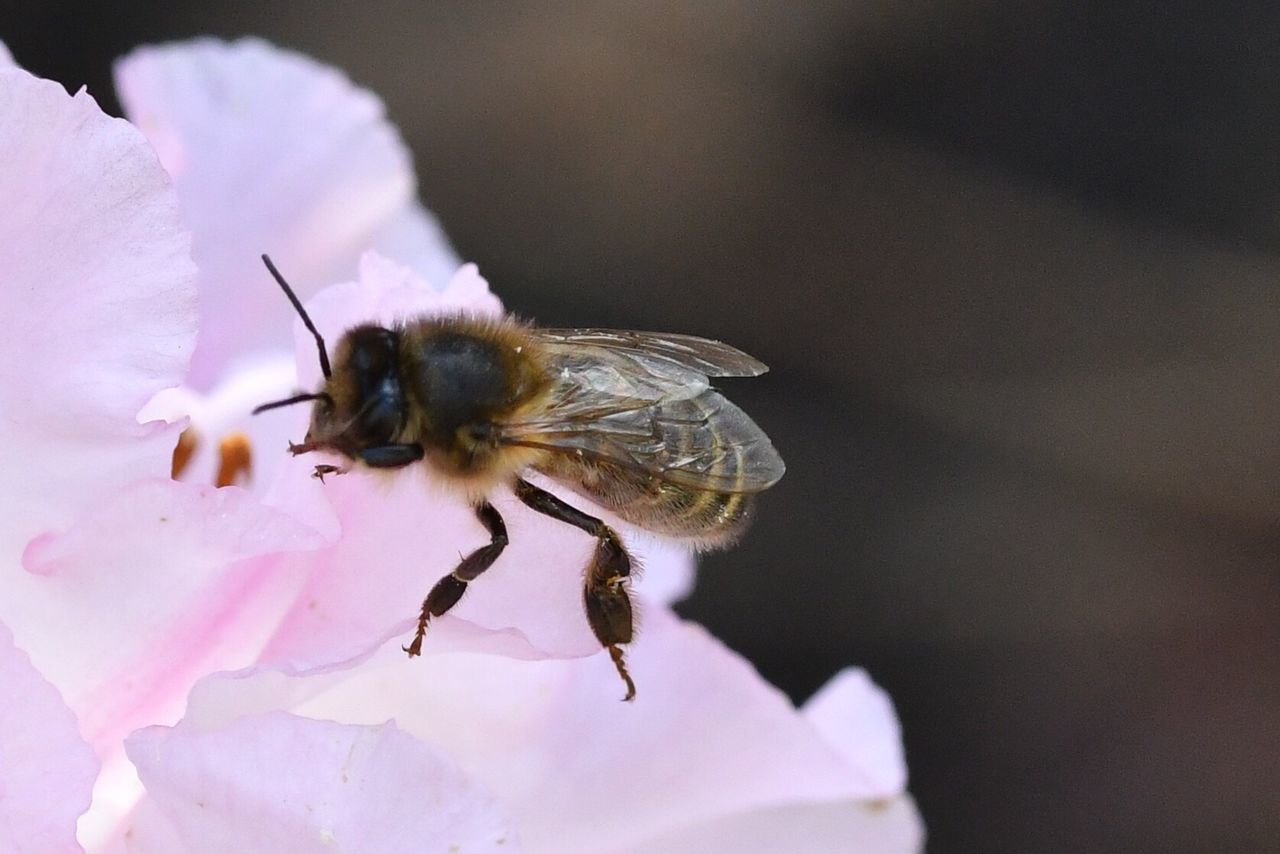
(709, 358)
(653, 415)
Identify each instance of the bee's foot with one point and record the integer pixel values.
(616, 654)
(414, 649)
(322, 470)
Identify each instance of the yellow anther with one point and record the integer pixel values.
(183, 452)
(235, 460)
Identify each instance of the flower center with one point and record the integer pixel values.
(235, 457)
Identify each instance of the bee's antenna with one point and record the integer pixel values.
(306, 321)
(290, 401)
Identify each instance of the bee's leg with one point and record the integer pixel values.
(321, 471)
(605, 595)
(391, 456)
(449, 589)
(378, 457)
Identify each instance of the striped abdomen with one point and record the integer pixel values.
(690, 478)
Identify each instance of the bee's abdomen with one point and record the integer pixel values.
(707, 518)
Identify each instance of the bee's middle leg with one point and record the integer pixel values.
(449, 589)
(605, 596)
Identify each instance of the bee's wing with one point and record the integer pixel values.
(650, 414)
(707, 357)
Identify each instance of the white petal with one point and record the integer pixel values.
(271, 152)
(857, 719)
(46, 769)
(416, 239)
(578, 770)
(836, 827)
(147, 593)
(97, 290)
(279, 783)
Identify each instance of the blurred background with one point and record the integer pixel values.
(1015, 267)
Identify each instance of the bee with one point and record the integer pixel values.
(626, 420)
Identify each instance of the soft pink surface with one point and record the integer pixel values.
(705, 743)
(148, 592)
(857, 720)
(46, 769)
(277, 783)
(273, 152)
(99, 298)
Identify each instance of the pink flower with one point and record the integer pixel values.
(282, 600)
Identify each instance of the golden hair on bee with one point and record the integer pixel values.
(628, 420)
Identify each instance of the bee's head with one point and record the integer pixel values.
(361, 404)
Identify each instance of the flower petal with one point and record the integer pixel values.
(416, 239)
(271, 152)
(838, 827)
(147, 593)
(100, 298)
(6, 58)
(579, 771)
(46, 769)
(277, 782)
(857, 719)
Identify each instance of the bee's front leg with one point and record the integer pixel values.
(390, 456)
(324, 469)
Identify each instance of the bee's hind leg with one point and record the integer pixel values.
(605, 596)
(449, 589)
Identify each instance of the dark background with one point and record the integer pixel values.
(1014, 265)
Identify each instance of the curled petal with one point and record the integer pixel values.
(6, 58)
(857, 719)
(278, 782)
(99, 295)
(705, 738)
(46, 769)
(271, 152)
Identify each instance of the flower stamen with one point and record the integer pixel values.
(235, 460)
(183, 452)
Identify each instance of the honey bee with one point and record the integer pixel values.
(627, 420)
